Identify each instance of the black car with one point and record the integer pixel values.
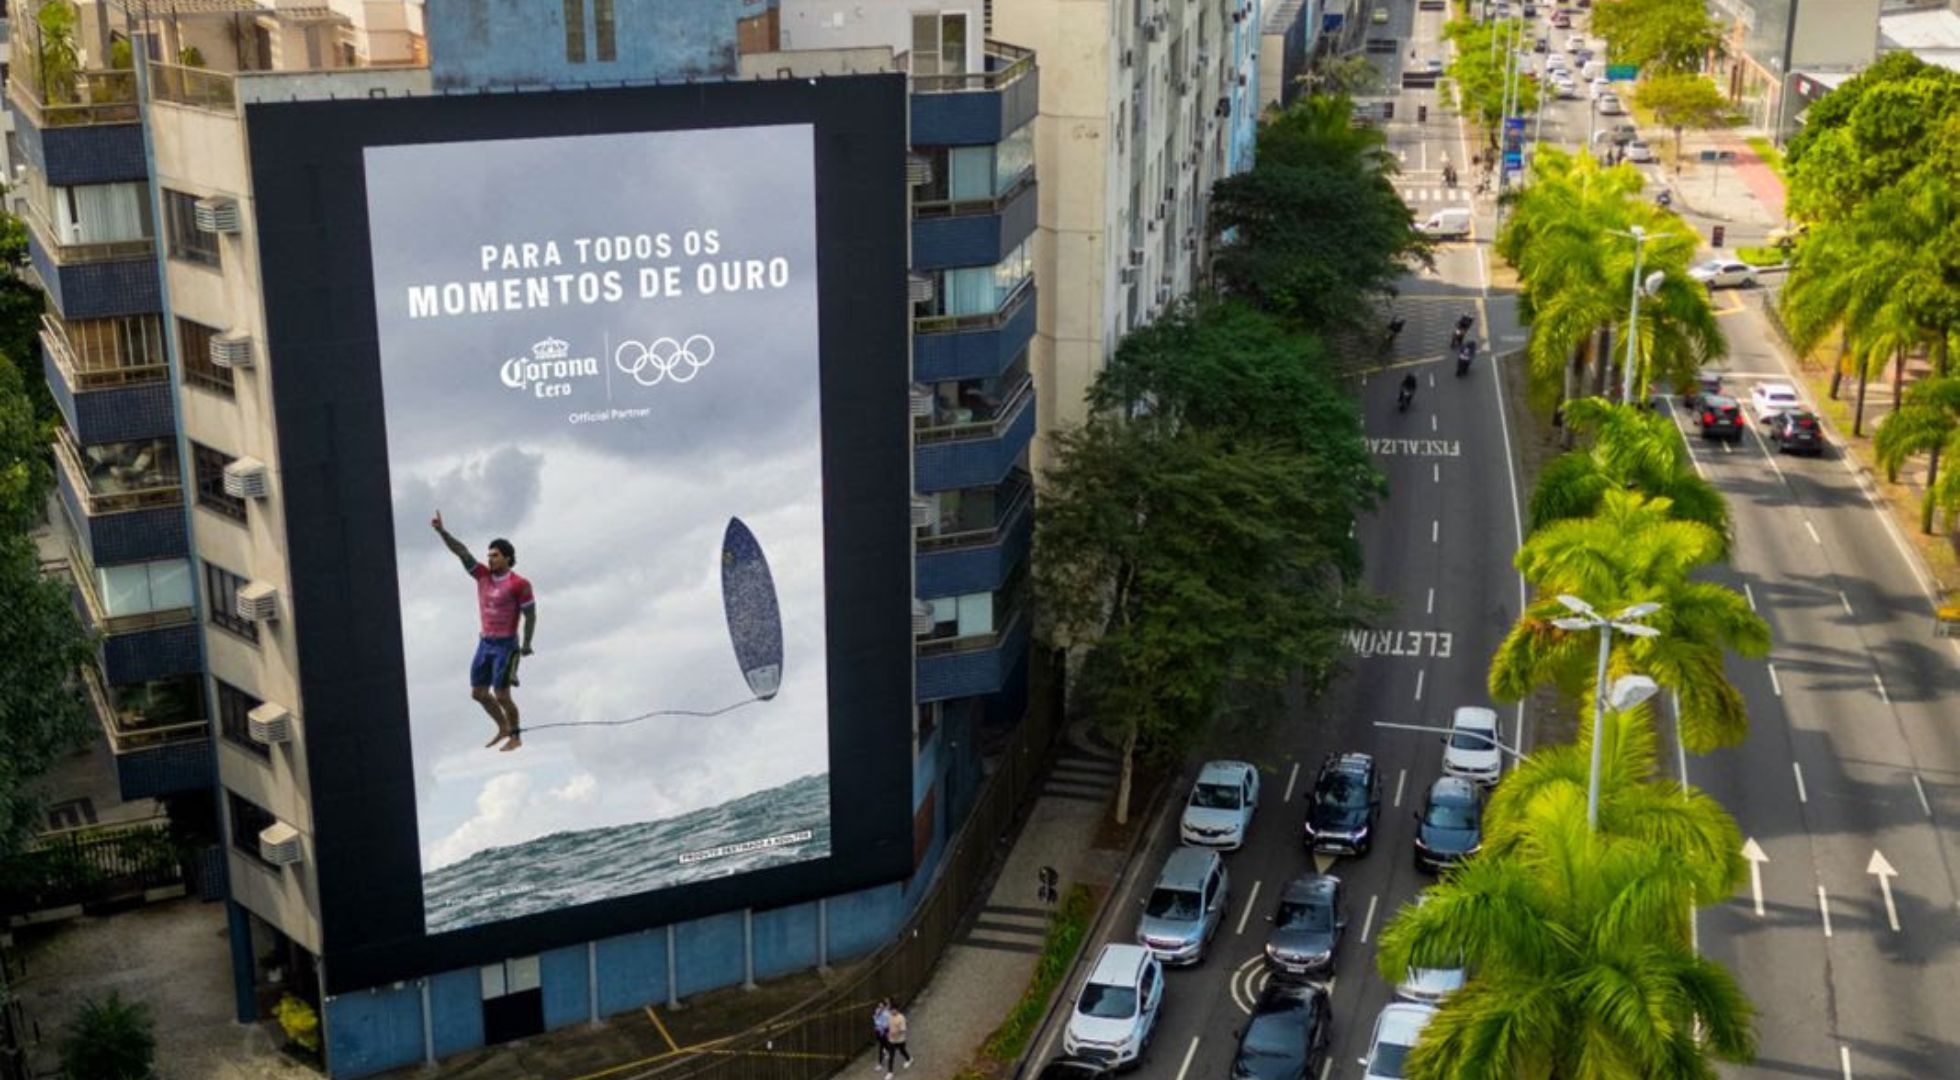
(1705, 384)
(1287, 1037)
(1342, 807)
(1307, 929)
(1075, 1067)
(1450, 825)
(1720, 417)
(1797, 433)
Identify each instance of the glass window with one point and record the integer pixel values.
(952, 43)
(121, 468)
(575, 31)
(969, 173)
(605, 39)
(221, 601)
(102, 213)
(124, 341)
(1013, 157)
(186, 240)
(141, 588)
(208, 472)
(234, 717)
(979, 290)
(248, 820)
(194, 353)
(939, 43)
(157, 703)
(972, 401)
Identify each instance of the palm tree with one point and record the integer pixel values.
(1928, 422)
(1631, 449)
(1632, 551)
(1583, 968)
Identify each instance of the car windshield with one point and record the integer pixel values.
(1445, 815)
(1108, 1002)
(1216, 796)
(1172, 904)
(1275, 1032)
(1294, 915)
(1387, 1059)
(1468, 738)
(1341, 792)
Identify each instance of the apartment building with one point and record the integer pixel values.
(1772, 42)
(198, 504)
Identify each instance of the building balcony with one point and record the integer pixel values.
(91, 136)
(975, 108)
(963, 451)
(946, 347)
(136, 647)
(977, 664)
(159, 749)
(120, 521)
(103, 364)
(93, 281)
(978, 560)
(948, 236)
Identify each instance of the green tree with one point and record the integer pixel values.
(1628, 449)
(1926, 422)
(1897, 116)
(1657, 35)
(1682, 100)
(1633, 551)
(56, 62)
(109, 1039)
(1480, 69)
(1349, 76)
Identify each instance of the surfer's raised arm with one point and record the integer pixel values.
(456, 547)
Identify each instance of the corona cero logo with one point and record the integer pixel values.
(549, 371)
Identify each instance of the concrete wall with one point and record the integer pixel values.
(1835, 34)
(832, 24)
(481, 43)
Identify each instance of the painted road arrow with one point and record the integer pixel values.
(1884, 872)
(1753, 851)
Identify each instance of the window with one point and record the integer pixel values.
(221, 599)
(575, 31)
(939, 43)
(194, 353)
(248, 820)
(96, 213)
(602, 17)
(977, 401)
(157, 703)
(979, 290)
(208, 472)
(961, 616)
(128, 468)
(143, 588)
(234, 712)
(187, 241)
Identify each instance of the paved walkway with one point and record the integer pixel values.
(1744, 192)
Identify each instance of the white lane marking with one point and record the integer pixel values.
(1432, 421)
(1350, 530)
(1419, 675)
(1435, 529)
(1751, 594)
(1921, 789)
(1291, 779)
(1812, 530)
(1725, 447)
(1844, 1060)
(1436, 472)
(1753, 851)
(1253, 896)
(1327, 1063)
(1907, 555)
(1401, 777)
(1797, 768)
(1188, 1055)
(1824, 905)
(1774, 683)
(1846, 601)
(1431, 606)
(1882, 696)
(1432, 379)
(1881, 868)
(1368, 921)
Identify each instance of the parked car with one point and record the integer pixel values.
(1307, 929)
(1575, 43)
(1184, 910)
(1287, 1036)
(1116, 1012)
(1707, 381)
(1470, 749)
(1562, 20)
(1720, 417)
(1219, 811)
(1541, 45)
(1531, 11)
(1396, 1031)
(1076, 1067)
(1433, 65)
(1450, 825)
(1379, 17)
(1565, 88)
(1723, 273)
(1430, 986)
(1770, 398)
(1624, 133)
(1599, 85)
(1638, 151)
(1609, 105)
(1555, 62)
(1797, 432)
(1343, 805)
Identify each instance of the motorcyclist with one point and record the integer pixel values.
(1465, 355)
(1408, 392)
(1665, 199)
(1463, 324)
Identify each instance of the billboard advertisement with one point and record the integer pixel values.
(623, 391)
(603, 394)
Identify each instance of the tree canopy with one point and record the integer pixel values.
(1657, 35)
(1898, 116)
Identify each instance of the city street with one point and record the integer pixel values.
(1849, 949)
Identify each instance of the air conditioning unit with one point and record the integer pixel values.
(1190, 240)
(918, 288)
(921, 512)
(1164, 295)
(231, 349)
(921, 401)
(245, 478)
(921, 618)
(217, 214)
(1136, 256)
(1170, 195)
(1223, 108)
(1127, 275)
(918, 170)
(1152, 29)
(258, 602)
(269, 724)
(279, 844)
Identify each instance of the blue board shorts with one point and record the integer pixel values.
(491, 665)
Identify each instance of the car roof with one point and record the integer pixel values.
(1474, 716)
(1353, 762)
(1186, 868)
(1402, 1021)
(1775, 388)
(1222, 772)
(1119, 964)
(1448, 789)
(1310, 887)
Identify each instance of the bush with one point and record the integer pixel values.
(110, 1039)
(300, 1023)
(1065, 933)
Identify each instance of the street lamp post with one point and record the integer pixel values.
(1627, 691)
(1649, 285)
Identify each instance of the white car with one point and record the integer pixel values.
(1396, 1031)
(1609, 104)
(1470, 749)
(1429, 986)
(1116, 1012)
(1219, 812)
(1555, 62)
(1639, 151)
(1565, 88)
(1771, 398)
(1723, 273)
(1599, 86)
(1576, 41)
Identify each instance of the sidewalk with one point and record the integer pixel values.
(1745, 192)
(987, 968)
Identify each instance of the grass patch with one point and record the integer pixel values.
(1768, 152)
(1065, 933)
(1760, 256)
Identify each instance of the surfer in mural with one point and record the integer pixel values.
(501, 596)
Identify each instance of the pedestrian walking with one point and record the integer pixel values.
(896, 1029)
(881, 1021)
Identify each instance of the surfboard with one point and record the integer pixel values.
(748, 597)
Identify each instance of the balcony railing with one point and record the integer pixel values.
(1006, 64)
(66, 254)
(215, 91)
(989, 427)
(986, 320)
(147, 496)
(93, 369)
(1004, 519)
(92, 606)
(949, 208)
(129, 730)
(100, 97)
(977, 642)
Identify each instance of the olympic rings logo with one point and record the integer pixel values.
(664, 359)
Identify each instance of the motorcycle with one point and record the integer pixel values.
(1465, 355)
(1406, 395)
(1664, 200)
(1449, 176)
(1463, 325)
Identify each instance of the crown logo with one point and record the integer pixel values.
(550, 349)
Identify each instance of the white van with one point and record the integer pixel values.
(1451, 224)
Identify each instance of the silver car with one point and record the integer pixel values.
(1185, 907)
(1116, 1012)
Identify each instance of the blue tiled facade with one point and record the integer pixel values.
(97, 290)
(82, 154)
(511, 43)
(144, 655)
(130, 536)
(965, 463)
(176, 768)
(142, 411)
(975, 117)
(979, 353)
(981, 567)
(947, 243)
(973, 672)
